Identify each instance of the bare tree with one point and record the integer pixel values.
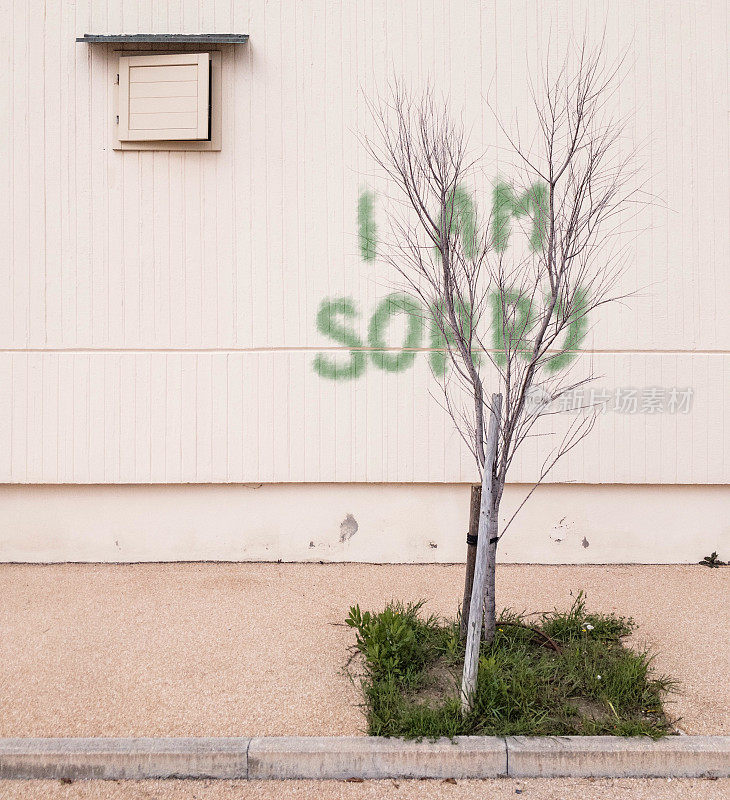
(510, 320)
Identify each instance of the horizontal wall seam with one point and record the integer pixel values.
(319, 349)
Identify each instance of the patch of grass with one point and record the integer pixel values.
(592, 684)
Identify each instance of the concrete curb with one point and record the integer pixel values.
(120, 759)
(619, 757)
(341, 757)
(376, 757)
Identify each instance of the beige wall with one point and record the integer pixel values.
(158, 310)
(363, 522)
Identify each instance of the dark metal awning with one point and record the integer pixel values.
(164, 38)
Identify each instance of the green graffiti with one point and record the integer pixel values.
(366, 228)
(506, 205)
(439, 357)
(461, 218)
(577, 329)
(391, 305)
(329, 325)
(512, 320)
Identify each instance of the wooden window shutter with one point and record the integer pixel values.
(164, 97)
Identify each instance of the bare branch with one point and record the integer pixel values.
(505, 314)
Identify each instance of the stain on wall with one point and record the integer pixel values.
(348, 528)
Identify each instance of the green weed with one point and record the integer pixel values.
(592, 684)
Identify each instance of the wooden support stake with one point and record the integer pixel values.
(471, 556)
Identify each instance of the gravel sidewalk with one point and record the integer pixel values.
(257, 649)
(498, 789)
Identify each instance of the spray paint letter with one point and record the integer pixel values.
(395, 304)
(441, 331)
(506, 205)
(461, 219)
(512, 319)
(577, 328)
(366, 228)
(329, 324)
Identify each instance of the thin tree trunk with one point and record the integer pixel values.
(490, 607)
(476, 610)
(471, 555)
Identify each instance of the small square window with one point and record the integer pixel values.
(151, 99)
(164, 97)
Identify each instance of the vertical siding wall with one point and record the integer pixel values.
(158, 310)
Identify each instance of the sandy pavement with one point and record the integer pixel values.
(257, 649)
(500, 789)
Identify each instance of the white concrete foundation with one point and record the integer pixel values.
(357, 522)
